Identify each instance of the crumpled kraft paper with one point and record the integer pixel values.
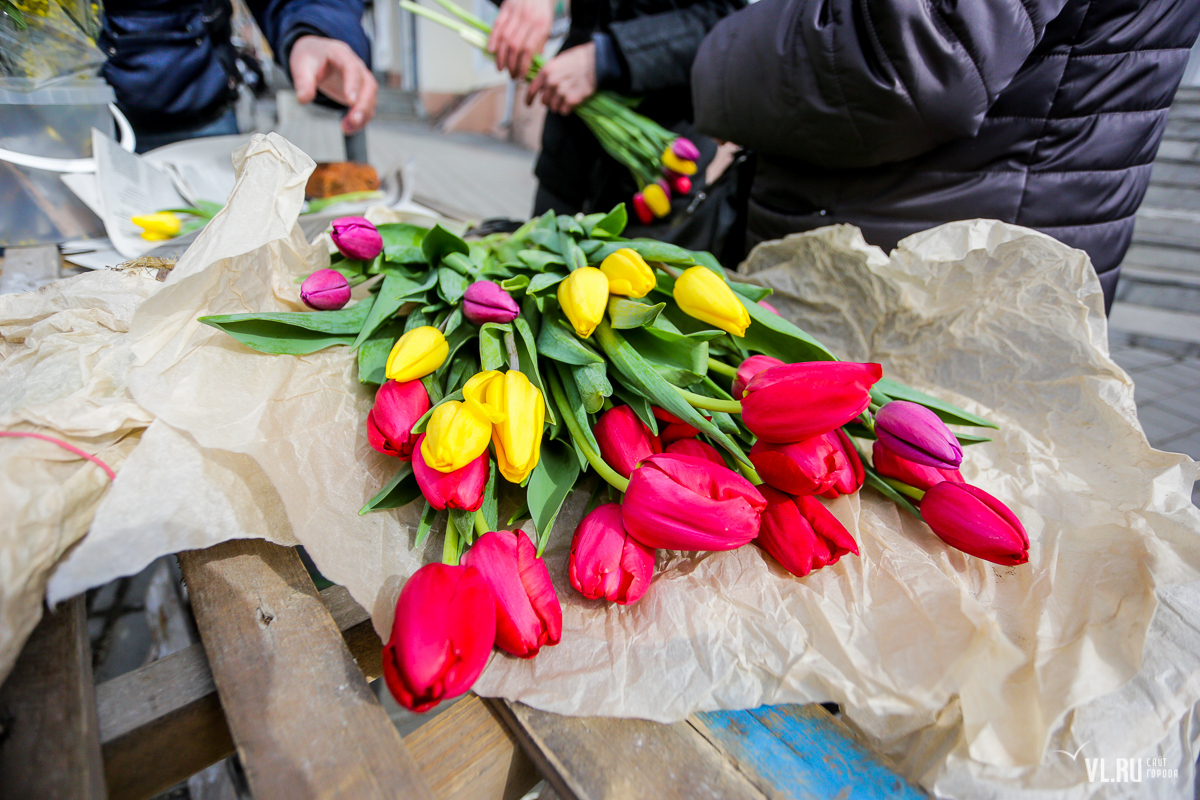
(973, 673)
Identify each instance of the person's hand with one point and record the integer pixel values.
(566, 80)
(336, 70)
(520, 32)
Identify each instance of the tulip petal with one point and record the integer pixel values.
(528, 614)
(792, 402)
(971, 520)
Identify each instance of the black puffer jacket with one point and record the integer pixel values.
(898, 115)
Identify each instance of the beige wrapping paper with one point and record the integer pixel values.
(969, 673)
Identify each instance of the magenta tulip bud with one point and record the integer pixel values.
(356, 238)
(696, 449)
(528, 614)
(824, 465)
(748, 369)
(769, 307)
(890, 465)
(684, 149)
(442, 636)
(969, 519)
(606, 562)
(801, 534)
(624, 440)
(325, 290)
(397, 408)
(485, 301)
(462, 489)
(682, 503)
(912, 431)
(672, 428)
(798, 401)
(665, 186)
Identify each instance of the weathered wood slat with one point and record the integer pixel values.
(802, 753)
(304, 720)
(599, 758)
(49, 742)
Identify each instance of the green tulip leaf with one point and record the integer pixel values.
(887, 389)
(547, 240)
(575, 256)
(544, 281)
(492, 352)
(373, 355)
(626, 314)
(432, 388)
(575, 404)
(877, 483)
(464, 365)
(594, 386)
(640, 405)
(451, 285)
(294, 332)
(515, 284)
(611, 224)
(966, 439)
(680, 358)
(650, 250)
(772, 335)
(560, 344)
(549, 484)
(464, 523)
(540, 261)
(527, 357)
(570, 225)
(439, 243)
(457, 338)
(395, 291)
(428, 518)
(490, 509)
(402, 242)
(401, 490)
(590, 247)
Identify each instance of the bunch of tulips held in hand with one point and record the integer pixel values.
(515, 369)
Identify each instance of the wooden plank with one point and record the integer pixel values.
(49, 734)
(304, 720)
(797, 752)
(599, 758)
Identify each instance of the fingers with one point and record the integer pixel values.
(364, 107)
(304, 71)
(538, 83)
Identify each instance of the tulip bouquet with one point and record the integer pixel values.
(515, 369)
(660, 161)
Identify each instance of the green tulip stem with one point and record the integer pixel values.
(710, 403)
(481, 526)
(606, 472)
(452, 544)
(674, 273)
(874, 408)
(721, 368)
(904, 489)
(868, 421)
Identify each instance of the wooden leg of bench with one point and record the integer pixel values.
(49, 734)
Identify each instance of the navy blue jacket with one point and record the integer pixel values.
(898, 115)
(173, 67)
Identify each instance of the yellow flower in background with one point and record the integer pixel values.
(703, 294)
(518, 438)
(416, 354)
(676, 164)
(657, 200)
(455, 436)
(584, 297)
(476, 395)
(628, 273)
(158, 226)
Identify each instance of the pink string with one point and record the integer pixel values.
(112, 476)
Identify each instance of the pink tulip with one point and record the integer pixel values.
(675, 428)
(684, 149)
(397, 408)
(325, 290)
(486, 301)
(769, 307)
(798, 401)
(606, 562)
(682, 184)
(528, 615)
(801, 534)
(825, 465)
(682, 503)
(696, 449)
(890, 465)
(462, 489)
(624, 439)
(748, 369)
(969, 519)
(441, 637)
(356, 238)
(912, 431)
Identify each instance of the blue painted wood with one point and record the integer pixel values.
(802, 753)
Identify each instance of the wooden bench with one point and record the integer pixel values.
(281, 677)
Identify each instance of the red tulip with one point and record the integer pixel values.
(675, 429)
(912, 431)
(827, 465)
(890, 465)
(642, 209)
(802, 534)
(397, 408)
(441, 637)
(798, 401)
(624, 439)
(748, 369)
(527, 611)
(683, 503)
(696, 449)
(969, 519)
(606, 562)
(463, 488)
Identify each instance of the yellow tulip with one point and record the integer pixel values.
(158, 226)
(656, 198)
(676, 164)
(703, 294)
(416, 354)
(518, 439)
(583, 297)
(475, 395)
(455, 436)
(628, 273)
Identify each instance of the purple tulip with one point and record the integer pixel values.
(325, 290)
(912, 431)
(683, 148)
(357, 238)
(485, 301)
